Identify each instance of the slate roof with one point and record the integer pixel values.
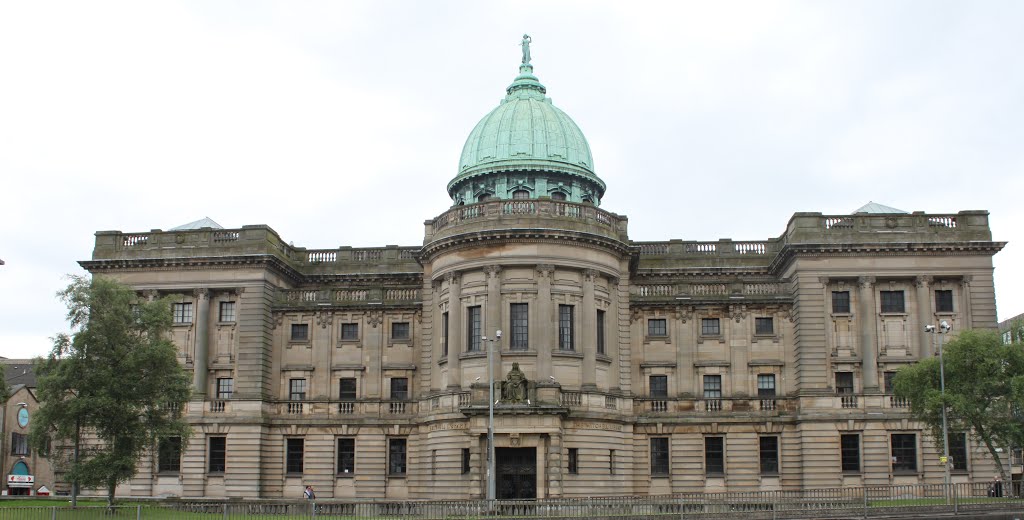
(19, 372)
(874, 207)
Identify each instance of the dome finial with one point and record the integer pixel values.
(526, 81)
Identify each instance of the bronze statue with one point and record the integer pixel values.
(526, 49)
(514, 387)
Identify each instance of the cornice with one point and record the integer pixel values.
(967, 248)
(193, 263)
(528, 235)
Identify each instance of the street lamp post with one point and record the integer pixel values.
(943, 328)
(490, 415)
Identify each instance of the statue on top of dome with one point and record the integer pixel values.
(526, 48)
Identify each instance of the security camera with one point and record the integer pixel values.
(929, 328)
(497, 334)
(944, 326)
(551, 378)
(477, 379)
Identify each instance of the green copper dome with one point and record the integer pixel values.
(526, 148)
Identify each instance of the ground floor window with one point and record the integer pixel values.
(769, 455)
(659, 456)
(714, 456)
(293, 454)
(396, 456)
(904, 452)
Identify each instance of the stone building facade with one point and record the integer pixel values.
(623, 368)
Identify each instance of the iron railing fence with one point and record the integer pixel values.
(845, 502)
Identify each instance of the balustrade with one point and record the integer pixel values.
(848, 401)
(316, 257)
(346, 408)
(294, 408)
(653, 290)
(751, 248)
(401, 294)
(707, 248)
(397, 407)
(226, 236)
(217, 406)
(659, 405)
(944, 221)
(571, 399)
(351, 295)
(134, 240)
(767, 405)
(711, 405)
(898, 402)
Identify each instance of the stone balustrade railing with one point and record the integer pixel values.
(522, 213)
(723, 248)
(880, 228)
(686, 290)
(348, 296)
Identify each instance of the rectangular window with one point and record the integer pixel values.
(710, 327)
(216, 454)
(766, 385)
(346, 456)
(840, 302)
(888, 378)
(657, 327)
(958, 451)
(565, 327)
(574, 461)
(300, 332)
(943, 301)
(396, 456)
(297, 389)
(611, 462)
(465, 461)
(19, 444)
(600, 332)
(714, 455)
(659, 386)
(182, 313)
(712, 387)
(520, 326)
(849, 446)
(904, 452)
(349, 331)
(764, 326)
(659, 456)
(400, 330)
(844, 382)
(347, 389)
(169, 455)
(227, 312)
(293, 455)
(399, 388)
(444, 335)
(225, 387)
(769, 454)
(892, 301)
(474, 328)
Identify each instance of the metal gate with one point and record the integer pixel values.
(517, 472)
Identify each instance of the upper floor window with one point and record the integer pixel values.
(19, 444)
(713, 386)
(297, 389)
(474, 328)
(600, 332)
(565, 327)
(943, 301)
(892, 301)
(844, 382)
(520, 194)
(657, 327)
(769, 455)
(349, 331)
(659, 386)
(557, 196)
(300, 332)
(887, 381)
(227, 312)
(841, 302)
(183, 312)
(518, 314)
(400, 330)
(710, 327)
(466, 461)
(347, 389)
(225, 387)
(766, 385)
(444, 334)
(764, 326)
(399, 388)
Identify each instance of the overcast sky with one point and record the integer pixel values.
(340, 123)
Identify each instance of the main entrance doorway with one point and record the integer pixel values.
(516, 471)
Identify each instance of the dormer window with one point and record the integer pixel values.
(557, 196)
(484, 197)
(520, 194)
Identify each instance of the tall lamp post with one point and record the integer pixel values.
(943, 328)
(490, 415)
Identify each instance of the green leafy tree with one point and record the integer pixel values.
(984, 384)
(5, 391)
(112, 388)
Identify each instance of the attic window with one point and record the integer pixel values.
(557, 196)
(520, 194)
(483, 198)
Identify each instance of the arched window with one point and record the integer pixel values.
(484, 197)
(557, 196)
(520, 194)
(20, 468)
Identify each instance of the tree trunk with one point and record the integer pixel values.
(74, 483)
(987, 439)
(111, 486)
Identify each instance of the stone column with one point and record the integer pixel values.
(454, 330)
(923, 316)
(373, 352)
(589, 332)
(684, 345)
(868, 341)
(545, 333)
(492, 322)
(321, 342)
(611, 336)
(437, 334)
(966, 316)
(202, 342)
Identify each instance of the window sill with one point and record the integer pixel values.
(398, 476)
(474, 354)
(705, 337)
(224, 323)
(851, 473)
(905, 472)
(526, 353)
(349, 341)
(183, 324)
(892, 314)
(345, 475)
(842, 314)
(714, 475)
(567, 354)
(945, 313)
(659, 475)
(665, 339)
(773, 474)
(168, 473)
(298, 342)
(215, 473)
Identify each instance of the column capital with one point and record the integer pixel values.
(201, 293)
(150, 294)
(545, 270)
(967, 279)
(923, 281)
(492, 270)
(590, 275)
(452, 278)
(866, 282)
(324, 319)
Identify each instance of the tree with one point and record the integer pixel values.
(113, 388)
(984, 384)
